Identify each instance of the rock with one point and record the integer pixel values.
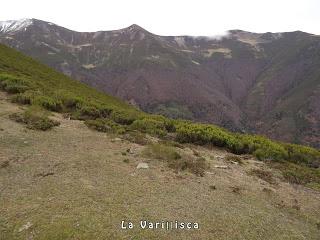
(25, 227)
(142, 166)
(129, 150)
(221, 166)
(117, 139)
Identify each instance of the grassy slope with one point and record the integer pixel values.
(49, 80)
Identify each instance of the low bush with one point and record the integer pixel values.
(296, 174)
(35, 118)
(21, 98)
(136, 137)
(261, 147)
(49, 103)
(105, 125)
(70, 102)
(201, 134)
(196, 166)
(150, 126)
(303, 155)
(124, 117)
(175, 160)
(89, 112)
(160, 151)
(264, 175)
(12, 84)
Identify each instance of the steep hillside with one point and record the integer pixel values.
(243, 81)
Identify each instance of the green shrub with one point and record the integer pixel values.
(136, 137)
(261, 147)
(48, 103)
(124, 117)
(70, 102)
(12, 84)
(21, 98)
(303, 155)
(150, 126)
(105, 125)
(35, 118)
(89, 112)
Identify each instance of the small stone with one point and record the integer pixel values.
(221, 166)
(129, 150)
(25, 227)
(142, 166)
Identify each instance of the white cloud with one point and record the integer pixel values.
(172, 17)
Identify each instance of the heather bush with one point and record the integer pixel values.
(35, 118)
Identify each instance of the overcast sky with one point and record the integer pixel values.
(172, 17)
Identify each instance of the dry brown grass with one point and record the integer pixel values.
(264, 175)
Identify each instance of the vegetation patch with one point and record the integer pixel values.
(124, 117)
(160, 151)
(150, 126)
(105, 125)
(13, 84)
(136, 137)
(299, 174)
(234, 159)
(175, 160)
(264, 175)
(35, 118)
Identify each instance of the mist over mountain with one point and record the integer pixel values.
(267, 83)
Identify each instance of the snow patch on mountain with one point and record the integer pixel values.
(15, 25)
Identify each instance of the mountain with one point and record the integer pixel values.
(267, 83)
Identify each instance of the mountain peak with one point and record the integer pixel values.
(15, 25)
(135, 27)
